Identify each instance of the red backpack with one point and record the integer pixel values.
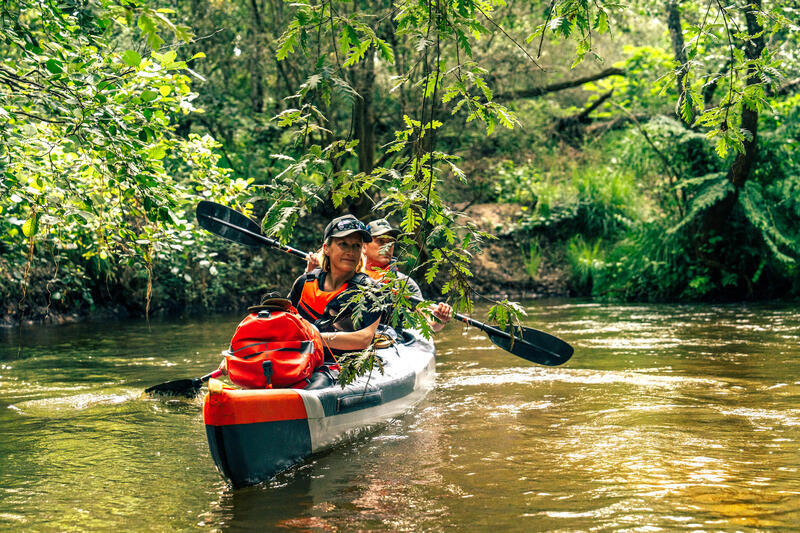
(274, 347)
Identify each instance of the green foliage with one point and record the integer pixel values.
(760, 215)
(407, 186)
(576, 19)
(89, 156)
(506, 313)
(533, 259)
(585, 260)
(663, 152)
(649, 264)
(591, 200)
(358, 364)
(636, 91)
(758, 257)
(376, 108)
(710, 190)
(515, 184)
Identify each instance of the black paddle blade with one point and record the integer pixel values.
(179, 387)
(534, 345)
(228, 224)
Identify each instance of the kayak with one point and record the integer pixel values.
(254, 434)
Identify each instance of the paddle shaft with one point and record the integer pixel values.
(215, 374)
(304, 255)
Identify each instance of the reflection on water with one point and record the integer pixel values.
(667, 417)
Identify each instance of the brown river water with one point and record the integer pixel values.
(668, 417)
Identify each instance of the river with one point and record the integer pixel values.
(668, 417)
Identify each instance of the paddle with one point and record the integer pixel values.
(530, 344)
(182, 387)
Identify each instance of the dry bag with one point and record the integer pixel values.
(274, 347)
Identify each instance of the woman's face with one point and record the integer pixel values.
(344, 253)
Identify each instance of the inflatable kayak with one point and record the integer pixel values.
(254, 434)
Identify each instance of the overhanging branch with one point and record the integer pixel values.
(533, 92)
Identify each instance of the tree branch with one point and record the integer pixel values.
(788, 88)
(533, 92)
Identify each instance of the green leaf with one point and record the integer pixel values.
(712, 192)
(31, 226)
(601, 22)
(54, 66)
(288, 42)
(131, 58)
(157, 152)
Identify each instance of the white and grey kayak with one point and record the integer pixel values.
(256, 433)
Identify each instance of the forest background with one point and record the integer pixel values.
(639, 151)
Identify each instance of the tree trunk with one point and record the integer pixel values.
(257, 60)
(363, 115)
(676, 35)
(716, 217)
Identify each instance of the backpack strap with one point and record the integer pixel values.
(314, 274)
(361, 279)
(306, 347)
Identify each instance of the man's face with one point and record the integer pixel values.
(380, 250)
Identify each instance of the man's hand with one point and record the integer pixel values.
(442, 313)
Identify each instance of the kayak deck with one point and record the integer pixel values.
(257, 433)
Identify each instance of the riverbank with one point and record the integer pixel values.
(500, 271)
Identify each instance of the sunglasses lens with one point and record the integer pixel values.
(349, 224)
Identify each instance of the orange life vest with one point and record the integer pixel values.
(379, 273)
(319, 306)
(314, 300)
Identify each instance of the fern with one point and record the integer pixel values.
(759, 215)
(713, 191)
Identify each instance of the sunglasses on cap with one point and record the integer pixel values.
(346, 225)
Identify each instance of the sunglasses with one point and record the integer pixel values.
(344, 225)
(349, 224)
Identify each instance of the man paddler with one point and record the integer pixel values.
(378, 262)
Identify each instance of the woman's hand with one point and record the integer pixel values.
(312, 262)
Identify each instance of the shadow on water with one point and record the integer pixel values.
(382, 481)
(667, 417)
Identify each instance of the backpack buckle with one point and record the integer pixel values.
(267, 366)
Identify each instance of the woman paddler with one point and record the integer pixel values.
(322, 295)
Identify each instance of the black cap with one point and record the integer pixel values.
(345, 225)
(382, 227)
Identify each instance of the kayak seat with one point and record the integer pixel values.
(321, 378)
(405, 337)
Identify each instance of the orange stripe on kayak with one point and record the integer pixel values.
(231, 406)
